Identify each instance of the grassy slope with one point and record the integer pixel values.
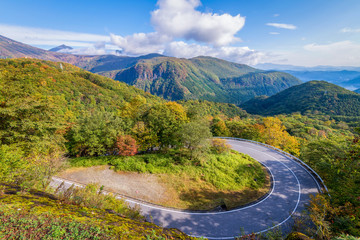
(320, 96)
(228, 178)
(37, 215)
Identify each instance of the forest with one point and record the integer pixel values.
(51, 112)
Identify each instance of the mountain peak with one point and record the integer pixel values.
(61, 47)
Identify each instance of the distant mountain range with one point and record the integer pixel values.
(347, 77)
(357, 90)
(314, 97)
(353, 83)
(283, 67)
(202, 78)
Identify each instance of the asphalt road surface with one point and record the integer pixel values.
(292, 185)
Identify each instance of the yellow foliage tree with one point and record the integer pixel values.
(273, 133)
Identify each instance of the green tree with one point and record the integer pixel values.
(12, 163)
(195, 136)
(243, 130)
(165, 121)
(94, 134)
(145, 138)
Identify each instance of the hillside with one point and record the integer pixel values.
(13, 49)
(45, 216)
(357, 90)
(44, 99)
(39, 100)
(203, 78)
(313, 96)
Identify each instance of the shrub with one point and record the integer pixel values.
(219, 145)
(126, 145)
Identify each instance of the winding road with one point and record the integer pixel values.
(291, 189)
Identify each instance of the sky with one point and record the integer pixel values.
(291, 32)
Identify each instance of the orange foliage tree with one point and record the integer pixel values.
(126, 145)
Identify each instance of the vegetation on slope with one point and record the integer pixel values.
(40, 100)
(203, 78)
(230, 178)
(314, 96)
(38, 215)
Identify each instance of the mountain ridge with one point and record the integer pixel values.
(202, 77)
(314, 96)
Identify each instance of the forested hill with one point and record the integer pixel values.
(204, 78)
(315, 96)
(40, 100)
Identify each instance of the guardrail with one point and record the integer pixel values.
(308, 168)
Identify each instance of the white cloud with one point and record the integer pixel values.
(180, 19)
(274, 33)
(276, 15)
(236, 54)
(141, 43)
(350, 30)
(282, 25)
(343, 53)
(49, 37)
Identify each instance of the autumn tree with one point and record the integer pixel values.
(126, 145)
(219, 128)
(220, 145)
(273, 133)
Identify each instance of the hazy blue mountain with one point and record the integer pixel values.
(353, 83)
(336, 77)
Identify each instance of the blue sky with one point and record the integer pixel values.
(297, 32)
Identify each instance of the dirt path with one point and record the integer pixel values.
(142, 186)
